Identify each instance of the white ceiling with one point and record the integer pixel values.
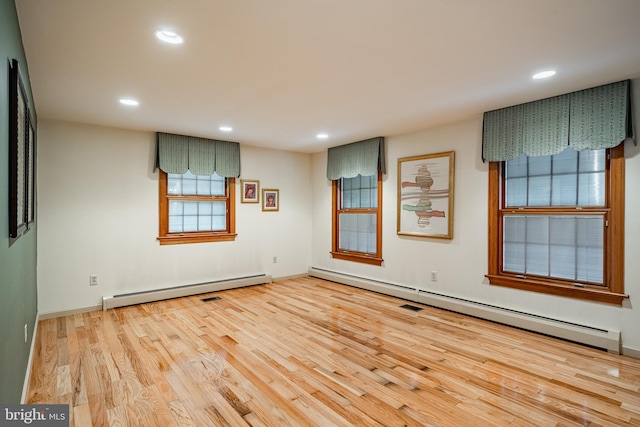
(281, 71)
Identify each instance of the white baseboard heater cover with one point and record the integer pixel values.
(182, 291)
(600, 338)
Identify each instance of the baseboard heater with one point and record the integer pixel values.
(599, 338)
(182, 291)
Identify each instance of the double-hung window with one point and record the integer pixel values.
(195, 208)
(196, 189)
(556, 193)
(555, 223)
(357, 219)
(355, 171)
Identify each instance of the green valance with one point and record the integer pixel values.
(363, 158)
(200, 156)
(590, 119)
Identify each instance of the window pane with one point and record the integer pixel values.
(190, 223)
(562, 246)
(353, 198)
(514, 239)
(569, 178)
(591, 188)
(359, 192)
(517, 168)
(516, 192)
(190, 208)
(537, 245)
(565, 162)
(175, 224)
(592, 160)
(563, 191)
(189, 184)
(540, 166)
(217, 185)
(174, 183)
(204, 186)
(219, 216)
(358, 232)
(187, 216)
(539, 191)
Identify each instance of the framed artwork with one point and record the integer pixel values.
(270, 200)
(425, 195)
(18, 153)
(250, 190)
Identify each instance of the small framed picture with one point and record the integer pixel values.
(270, 199)
(250, 190)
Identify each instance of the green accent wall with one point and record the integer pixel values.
(18, 287)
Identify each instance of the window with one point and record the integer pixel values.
(556, 224)
(357, 219)
(195, 208)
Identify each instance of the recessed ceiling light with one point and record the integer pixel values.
(225, 128)
(129, 101)
(543, 74)
(322, 136)
(169, 36)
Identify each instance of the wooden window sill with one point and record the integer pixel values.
(356, 257)
(590, 293)
(178, 239)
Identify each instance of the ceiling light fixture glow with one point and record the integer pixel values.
(169, 36)
(544, 74)
(129, 101)
(322, 136)
(225, 128)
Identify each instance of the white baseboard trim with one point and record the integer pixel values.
(293, 276)
(54, 314)
(631, 352)
(27, 375)
(182, 291)
(609, 340)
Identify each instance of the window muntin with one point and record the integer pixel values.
(196, 208)
(357, 219)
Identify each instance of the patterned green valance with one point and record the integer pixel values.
(589, 119)
(179, 153)
(363, 158)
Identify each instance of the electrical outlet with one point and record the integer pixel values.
(93, 280)
(275, 259)
(434, 276)
(26, 332)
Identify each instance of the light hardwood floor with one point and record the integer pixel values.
(305, 352)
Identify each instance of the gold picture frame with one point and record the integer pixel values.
(249, 191)
(270, 200)
(425, 195)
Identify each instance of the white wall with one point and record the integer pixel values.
(98, 214)
(461, 263)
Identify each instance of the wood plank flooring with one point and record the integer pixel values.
(307, 352)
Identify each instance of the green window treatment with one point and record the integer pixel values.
(590, 119)
(201, 156)
(363, 158)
